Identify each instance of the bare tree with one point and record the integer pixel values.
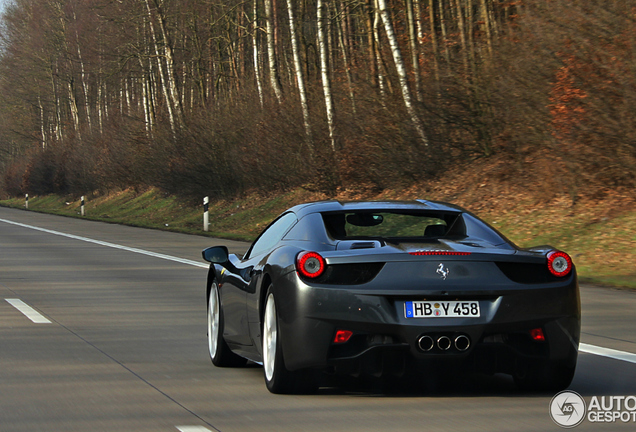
(415, 48)
(162, 77)
(401, 70)
(255, 53)
(274, 76)
(324, 71)
(300, 81)
(161, 82)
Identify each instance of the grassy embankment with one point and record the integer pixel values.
(600, 236)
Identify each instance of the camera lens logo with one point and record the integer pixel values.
(567, 409)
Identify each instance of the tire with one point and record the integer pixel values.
(278, 379)
(220, 353)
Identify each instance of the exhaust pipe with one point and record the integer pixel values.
(426, 343)
(462, 343)
(443, 343)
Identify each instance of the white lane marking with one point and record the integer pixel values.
(28, 311)
(193, 429)
(607, 352)
(590, 349)
(112, 245)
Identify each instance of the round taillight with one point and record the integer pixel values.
(559, 263)
(310, 264)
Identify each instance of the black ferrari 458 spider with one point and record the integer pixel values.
(388, 288)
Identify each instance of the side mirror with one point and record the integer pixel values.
(216, 254)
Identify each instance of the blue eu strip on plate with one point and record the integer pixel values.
(409, 309)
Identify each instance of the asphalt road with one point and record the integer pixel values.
(125, 348)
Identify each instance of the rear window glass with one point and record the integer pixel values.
(394, 225)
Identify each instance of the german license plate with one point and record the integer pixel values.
(441, 309)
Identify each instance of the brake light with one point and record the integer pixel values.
(450, 253)
(310, 264)
(342, 336)
(559, 263)
(537, 335)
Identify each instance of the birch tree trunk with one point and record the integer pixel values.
(72, 103)
(378, 56)
(257, 67)
(146, 96)
(418, 20)
(42, 123)
(170, 68)
(341, 29)
(274, 75)
(100, 102)
(324, 71)
(87, 105)
(401, 70)
(299, 74)
(371, 44)
(128, 98)
(166, 94)
(415, 50)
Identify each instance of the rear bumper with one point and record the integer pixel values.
(498, 339)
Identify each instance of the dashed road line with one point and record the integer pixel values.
(28, 311)
(193, 429)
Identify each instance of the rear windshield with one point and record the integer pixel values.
(394, 225)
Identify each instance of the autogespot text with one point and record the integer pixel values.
(608, 409)
(568, 409)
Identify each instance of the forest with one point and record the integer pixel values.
(219, 97)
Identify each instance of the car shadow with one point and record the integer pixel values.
(595, 376)
(458, 385)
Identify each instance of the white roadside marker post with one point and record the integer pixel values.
(82, 212)
(206, 217)
(26, 201)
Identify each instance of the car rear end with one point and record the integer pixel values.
(382, 307)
